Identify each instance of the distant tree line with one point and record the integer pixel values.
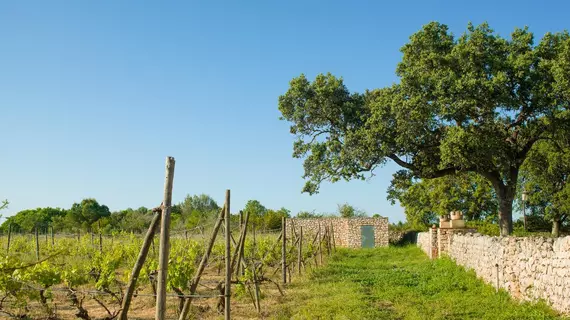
(90, 216)
(195, 211)
(344, 210)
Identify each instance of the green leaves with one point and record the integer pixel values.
(87, 213)
(425, 200)
(473, 103)
(325, 117)
(4, 204)
(347, 211)
(545, 176)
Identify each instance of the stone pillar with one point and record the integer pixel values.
(433, 242)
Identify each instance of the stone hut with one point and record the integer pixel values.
(354, 232)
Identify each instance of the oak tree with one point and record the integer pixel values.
(473, 103)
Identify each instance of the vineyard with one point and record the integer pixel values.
(65, 276)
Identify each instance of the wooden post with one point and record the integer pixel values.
(293, 231)
(332, 235)
(284, 249)
(47, 241)
(164, 248)
(228, 259)
(186, 235)
(497, 268)
(52, 237)
(320, 248)
(254, 239)
(196, 279)
(241, 269)
(9, 237)
(238, 255)
(78, 235)
(138, 265)
(300, 254)
(256, 287)
(37, 244)
(240, 219)
(327, 241)
(101, 238)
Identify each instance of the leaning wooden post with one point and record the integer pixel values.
(37, 244)
(242, 250)
(228, 259)
(300, 254)
(284, 249)
(256, 285)
(9, 237)
(139, 264)
(238, 255)
(164, 242)
(293, 231)
(196, 279)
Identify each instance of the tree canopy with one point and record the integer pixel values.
(473, 103)
(86, 213)
(28, 220)
(197, 209)
(545, 177)
(261, 217)
(345, 210)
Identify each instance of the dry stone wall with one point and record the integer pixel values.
(346, 230)
(529, 268)
(429, 242)
(424, 242)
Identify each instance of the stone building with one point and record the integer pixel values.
(347, 232)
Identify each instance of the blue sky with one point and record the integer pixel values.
(95, 94)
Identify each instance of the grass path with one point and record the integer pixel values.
(399, 283)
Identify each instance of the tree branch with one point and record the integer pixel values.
(402, 163)
(436, 174)
(523, 152)
(444, 172)
(495, 179)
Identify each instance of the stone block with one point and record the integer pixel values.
(457, 224)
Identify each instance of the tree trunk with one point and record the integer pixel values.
(506, 197)
(505, 194)
(556, 227)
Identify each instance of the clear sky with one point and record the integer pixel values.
(95, 94)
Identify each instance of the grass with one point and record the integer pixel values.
(399, 283)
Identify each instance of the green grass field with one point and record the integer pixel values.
(399, 283)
